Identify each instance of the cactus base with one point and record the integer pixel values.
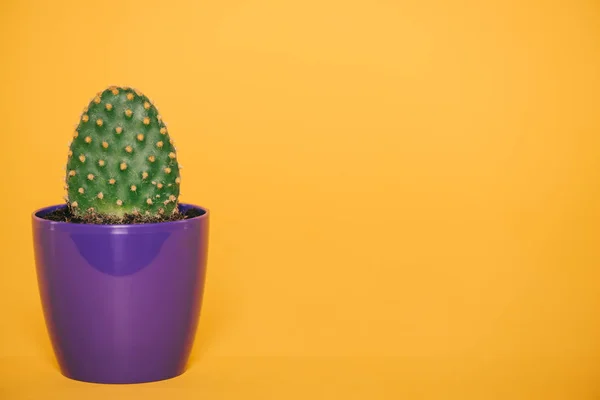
(65, 214)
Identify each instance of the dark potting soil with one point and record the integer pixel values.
(64, 214)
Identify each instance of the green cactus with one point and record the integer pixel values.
(122, 160)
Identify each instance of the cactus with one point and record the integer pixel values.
(121, 160)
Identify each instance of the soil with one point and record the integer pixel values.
(64, 214)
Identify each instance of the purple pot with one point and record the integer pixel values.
(121, 302)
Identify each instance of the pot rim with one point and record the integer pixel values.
(126, 227)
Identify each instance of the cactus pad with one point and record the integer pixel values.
(122, 160)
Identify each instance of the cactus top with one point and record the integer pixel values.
(122, 159)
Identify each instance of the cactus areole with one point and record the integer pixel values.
(122, 165)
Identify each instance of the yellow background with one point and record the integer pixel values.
(405, 195)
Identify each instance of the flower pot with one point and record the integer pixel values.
(121, 302)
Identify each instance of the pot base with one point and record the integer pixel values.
(130, 381)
